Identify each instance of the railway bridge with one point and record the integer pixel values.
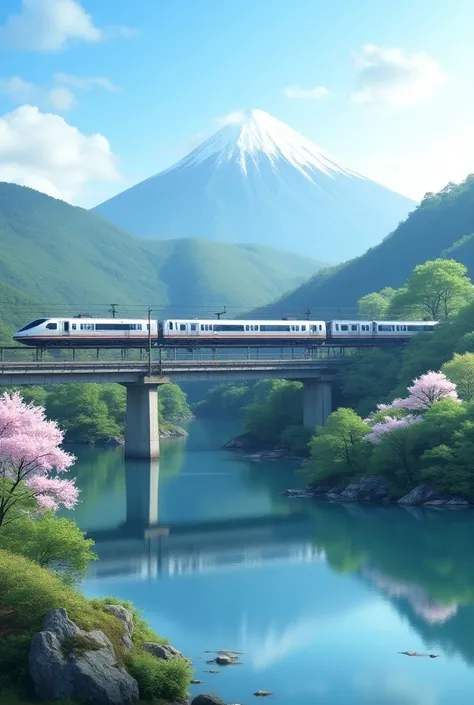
(142, 379)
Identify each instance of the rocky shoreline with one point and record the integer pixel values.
(376, 490)
(116, 441)
(245, 442)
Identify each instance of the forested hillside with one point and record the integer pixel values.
(442, 225)
(66, 256)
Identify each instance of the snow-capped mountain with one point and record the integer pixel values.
(258, 180)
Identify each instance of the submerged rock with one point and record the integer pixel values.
(207, 700)
(431, 497)
(66, 662)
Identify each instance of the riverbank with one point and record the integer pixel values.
(57, 644)
(375, 489)
(250, 448)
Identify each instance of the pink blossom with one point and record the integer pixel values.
(31, 457)
(388, 425)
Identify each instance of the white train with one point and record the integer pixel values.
(127, 332)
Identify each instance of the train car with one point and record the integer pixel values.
(345, 332)
(87, 332)
(202, 333)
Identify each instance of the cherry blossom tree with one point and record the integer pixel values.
(31, 461)
(425, 390)
(388, 425)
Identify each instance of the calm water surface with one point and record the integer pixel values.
(319, 597)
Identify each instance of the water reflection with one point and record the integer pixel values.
(319, 597)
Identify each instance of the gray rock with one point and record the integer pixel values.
(421, 495)
(126, 618)
(110, 441)
(224, 660)
(91, 674)
(457, 502)
(367, 489)
(163, 651)
(207, 700)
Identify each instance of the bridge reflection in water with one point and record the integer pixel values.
(144, 548)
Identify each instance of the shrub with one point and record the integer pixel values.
(157, 678)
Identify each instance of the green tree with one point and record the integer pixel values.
(54, 543)
(172, 403)
(450, 467)
(436, 289)
(337, 450)
(81, 411)
(375, 305)
(277, 404)
(460, 370)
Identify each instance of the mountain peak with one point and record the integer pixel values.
(252, 135)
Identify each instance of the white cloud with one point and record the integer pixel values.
(298, 92)
(61, 99)
(393, 78)
(448, 157)
(51, 25)
(85, 82)
(43, 151)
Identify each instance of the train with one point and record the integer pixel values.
(87, 331)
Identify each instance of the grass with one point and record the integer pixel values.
(28, 593)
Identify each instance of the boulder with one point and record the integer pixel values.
(67, 662)
(298, 493)
(225, 660)
(163, 651)
(126, 618)
(207, 700)
(367, 489)
(421, 495)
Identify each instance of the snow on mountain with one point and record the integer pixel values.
(257, 180)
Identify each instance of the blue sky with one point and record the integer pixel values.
(96, 96)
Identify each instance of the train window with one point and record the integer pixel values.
(274, 328)
(344, 326)
(303, 327)
(182, 326)
(228, 327)
(171, 325)
(202, 326)
(386, 328)
(353, 327)
(337, 326)
(139, 326)
(414, 328)
(292, 328)
(52, 326)
(108, 326)
(74, 326)
(297, 328)
(193, 326)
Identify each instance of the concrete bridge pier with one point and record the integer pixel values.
(317, 402)
(142, 435)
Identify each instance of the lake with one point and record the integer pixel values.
(319, 597)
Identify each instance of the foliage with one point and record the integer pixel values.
(172, 403)
(31, 461)
(55, 252)
(435, 225)
(375, 306)
(461, 371)
(337, 451)
(28, 593)
(296, 438)
(225, 400)
(276, 405)
(435, 290)
(158, 678)
(54, 543)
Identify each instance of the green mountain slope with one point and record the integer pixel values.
(439, 226)
(72, 259)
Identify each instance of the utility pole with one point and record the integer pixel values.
(308, 314)
(113, 309)
(220, 313)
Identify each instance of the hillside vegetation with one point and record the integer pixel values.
(71, 258)
(442, 225)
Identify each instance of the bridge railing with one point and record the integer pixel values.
(10, 354)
